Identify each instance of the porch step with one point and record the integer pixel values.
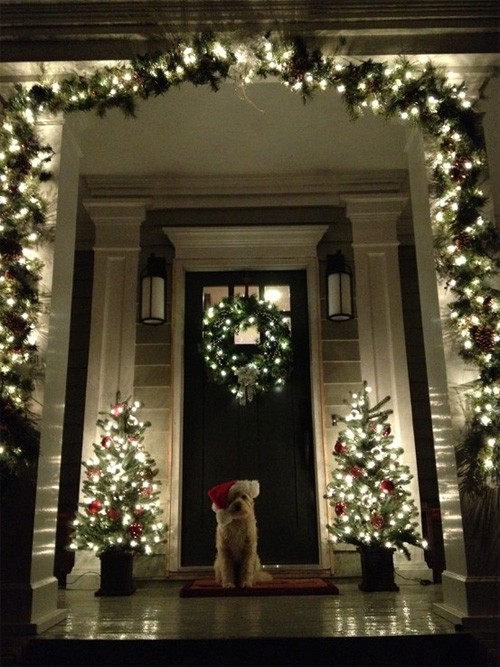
(412, 650)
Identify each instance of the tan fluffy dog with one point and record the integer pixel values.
(237, 562)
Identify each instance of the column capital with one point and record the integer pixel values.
(374, 216)
(117, 221)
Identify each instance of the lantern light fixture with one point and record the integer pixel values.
(153, 279)
(339, 291)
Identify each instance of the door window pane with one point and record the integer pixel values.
(240, 290)
(279, 295)
(214, 295)
(248, 336)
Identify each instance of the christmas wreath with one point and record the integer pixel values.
(246, 370)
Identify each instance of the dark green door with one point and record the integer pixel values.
(268, 439)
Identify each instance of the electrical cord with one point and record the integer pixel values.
(83, 575)
(422, 582)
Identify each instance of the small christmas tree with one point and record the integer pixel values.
(121, 513)
(372, 505)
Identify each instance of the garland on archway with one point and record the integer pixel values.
(466, 240)
(246, 372)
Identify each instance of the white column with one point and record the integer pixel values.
(113, 318)
(381, 327)
(467, 601)
(114, 306)
(29, 600)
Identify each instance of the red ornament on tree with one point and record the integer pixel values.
(139, 511)
(387, 486)
(106, 441)
(377, 521)
(94, 507)
(339, 447)
(387, 431)
(118, 409)
(146, 491)
(356, 471)
(135, 530)
(340, 508)
(93, 472)
(113, 514)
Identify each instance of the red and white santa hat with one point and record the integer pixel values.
(223, 494)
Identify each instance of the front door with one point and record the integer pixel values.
(269, 439)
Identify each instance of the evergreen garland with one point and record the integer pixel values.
(466, 240)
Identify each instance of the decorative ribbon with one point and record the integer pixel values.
(247, 378)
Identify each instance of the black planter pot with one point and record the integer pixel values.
(117, 573)
(377, 569)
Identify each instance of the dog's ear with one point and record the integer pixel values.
(249, 486)
(223, 517)
(254, 488)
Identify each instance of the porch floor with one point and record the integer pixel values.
(352, 628)
(155, 611)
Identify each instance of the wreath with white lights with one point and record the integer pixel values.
(246, 370)
(465, 238)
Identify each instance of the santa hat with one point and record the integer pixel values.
(223, 494)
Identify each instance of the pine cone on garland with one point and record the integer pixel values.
(17, 324)
(463, 241)
(484, 338)
(11, 249)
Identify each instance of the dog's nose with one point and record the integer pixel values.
(237, 506)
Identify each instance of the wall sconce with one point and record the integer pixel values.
(153, 279)
(339, 292)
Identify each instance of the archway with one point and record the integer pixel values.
(423, 95)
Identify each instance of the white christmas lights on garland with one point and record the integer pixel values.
(466, 241)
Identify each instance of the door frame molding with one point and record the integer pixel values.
(233, 248)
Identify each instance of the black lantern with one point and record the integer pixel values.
(339, 292)
(153, 279)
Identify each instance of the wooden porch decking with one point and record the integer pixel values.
(154, 626)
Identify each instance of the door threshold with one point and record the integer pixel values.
(278, 571)
(290, 572)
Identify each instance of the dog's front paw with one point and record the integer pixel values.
(228, 584)
(247, 583)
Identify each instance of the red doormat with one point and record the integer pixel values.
(204, 588)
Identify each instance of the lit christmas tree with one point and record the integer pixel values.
(121, 511)
(372, 505)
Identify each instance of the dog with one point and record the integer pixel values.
(237, 563)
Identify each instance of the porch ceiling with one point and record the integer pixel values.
(262, 130)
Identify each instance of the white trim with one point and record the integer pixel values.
(283, 247)
(323, 188)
